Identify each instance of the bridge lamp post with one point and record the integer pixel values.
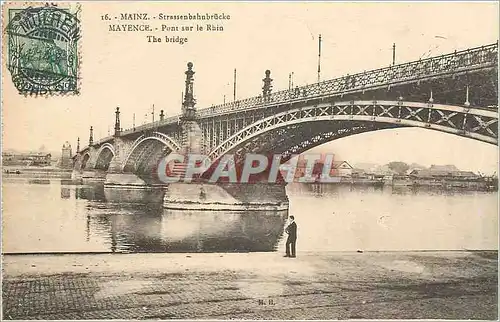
(226, 88)
(319, 58)
(393, 54)
(266, 89)
(91, 136)
(188, 109)
(117, 122)
(234, 86)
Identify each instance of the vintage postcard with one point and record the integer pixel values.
(249, 160)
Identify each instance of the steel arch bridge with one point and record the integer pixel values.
(273, 132)
(456, 93)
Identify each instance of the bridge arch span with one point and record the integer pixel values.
(104, 156)
(146, 152)
(291, 131)
(85, 160)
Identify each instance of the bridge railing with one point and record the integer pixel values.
(447, 63)
(144, 127)
(149, 126)
(103, 140)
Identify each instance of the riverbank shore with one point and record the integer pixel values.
(336, 285)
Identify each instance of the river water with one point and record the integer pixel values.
(58, 216)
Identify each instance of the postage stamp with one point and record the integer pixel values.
(43, 50)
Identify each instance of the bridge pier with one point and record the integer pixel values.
(128, 187)
(76, 175)
(121, 146)
(225, 196)
(192, 137)
(129, 180)
(93, 175)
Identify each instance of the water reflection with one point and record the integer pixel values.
(63, 217)
(194, 231)
(91, 192)
(135, 221)
(325, 189)
(143, 196)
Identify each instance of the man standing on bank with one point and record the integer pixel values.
(291, 230)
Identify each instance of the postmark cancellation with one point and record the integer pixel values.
(42, 54)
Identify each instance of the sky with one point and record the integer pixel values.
(123, 69)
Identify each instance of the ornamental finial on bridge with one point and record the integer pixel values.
(78, 145)
(117, 122)
(91, 137)
(266, 89)
(162, 115)
(188, 109)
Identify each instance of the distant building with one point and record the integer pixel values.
(443, 174)
(450, 179)
(359, 172)
(365, 167)
(341, 169)
(66, 160)
(27, 159)
(416, 166)
(337, 168)
(446, 167)
(384, 170)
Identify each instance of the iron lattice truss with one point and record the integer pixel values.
(346, 118)
(295, 139)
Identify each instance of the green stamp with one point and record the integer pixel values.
(43, 50)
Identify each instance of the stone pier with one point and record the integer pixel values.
(93, 175)
(129, 188)
(89, 175)
(224, 196)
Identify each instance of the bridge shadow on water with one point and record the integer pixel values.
(61, 217)
(325, 189)
(135, 221)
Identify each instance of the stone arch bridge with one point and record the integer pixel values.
(456, 93)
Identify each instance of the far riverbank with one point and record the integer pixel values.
(36, 172)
